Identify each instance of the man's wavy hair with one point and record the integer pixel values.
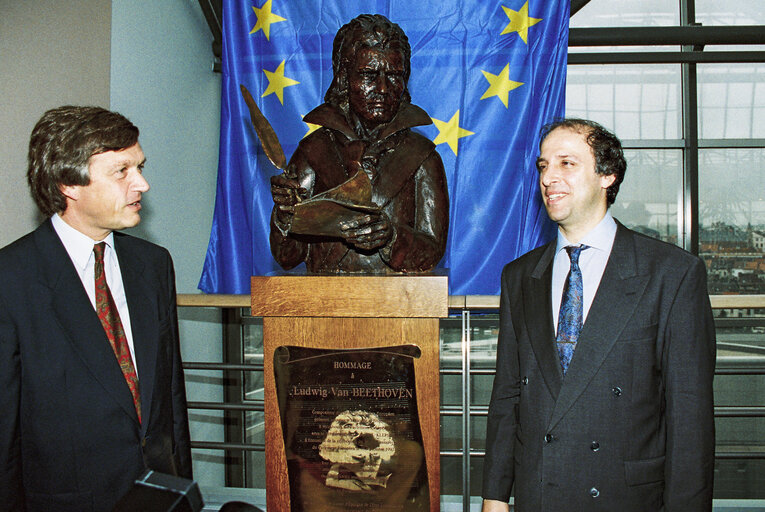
(606, 148)
(364, 31)
(61, 145)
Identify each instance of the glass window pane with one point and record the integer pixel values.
(451, 432)
(731, 101)
(730, 12)
(635, 13)
(450, 333)
(739, 479)
(637, 102)
(732, 218)
(648, 197)
(451, 478)
(484, 329)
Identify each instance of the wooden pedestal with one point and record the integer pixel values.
(345, 312)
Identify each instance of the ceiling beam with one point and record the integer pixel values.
(657, 36)
(576, 5)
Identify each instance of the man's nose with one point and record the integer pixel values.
(549, 175)
(140, 184)
(382, 83)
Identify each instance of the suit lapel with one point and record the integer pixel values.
(79, 322)
(537, 290)
(617, 296)
(143, 319)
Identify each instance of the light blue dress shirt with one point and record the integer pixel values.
(592, 262)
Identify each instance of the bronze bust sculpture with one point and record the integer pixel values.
(365, 139)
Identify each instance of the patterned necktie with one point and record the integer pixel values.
(571, 314)
(110, 319)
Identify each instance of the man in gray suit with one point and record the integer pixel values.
(614, 412)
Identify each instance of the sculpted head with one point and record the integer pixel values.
(370, 62)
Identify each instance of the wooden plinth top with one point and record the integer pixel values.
(360, 296)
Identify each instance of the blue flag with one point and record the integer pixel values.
(488, 73)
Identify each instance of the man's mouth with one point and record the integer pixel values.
(554, 197)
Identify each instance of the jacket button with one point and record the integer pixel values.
(549, 438)
(143, 443)
(594, 492)
(525, 381)
(617, 391)
(595, 446)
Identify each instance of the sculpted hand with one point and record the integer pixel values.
(286, 193)
(369, 231)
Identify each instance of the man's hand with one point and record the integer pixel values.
(286, 193)
(495, 506)
(368, 232)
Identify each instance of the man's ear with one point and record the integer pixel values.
(71, 192)
(607, 180)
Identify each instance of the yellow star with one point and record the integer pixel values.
(520, 22)
(277, 82)
(311, 128)
(265, 19)
(450, 132)
(500, 85)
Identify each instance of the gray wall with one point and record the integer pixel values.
(151, 61)
(162, 80)
(51, 53)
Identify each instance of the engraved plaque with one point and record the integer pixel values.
(351, 430)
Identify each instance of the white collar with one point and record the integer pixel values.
(600, 237)
(78, 245)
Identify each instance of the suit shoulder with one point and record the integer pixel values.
(18, 250)
(525, 264)
(530, 258)
(663, 253)
(148, 249)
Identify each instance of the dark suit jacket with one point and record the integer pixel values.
(70, 439)
(630, 427)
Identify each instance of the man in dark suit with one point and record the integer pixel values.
(91, 385)
(614, 413)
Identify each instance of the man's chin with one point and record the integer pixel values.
(130, 222)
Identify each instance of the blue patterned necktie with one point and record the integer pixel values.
(571, 311)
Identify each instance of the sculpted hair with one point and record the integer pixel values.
(606, 148)
(61, 145)
(364, 31)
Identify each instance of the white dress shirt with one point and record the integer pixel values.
(592, 262)
(80, 250)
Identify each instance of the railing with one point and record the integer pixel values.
(464, 309)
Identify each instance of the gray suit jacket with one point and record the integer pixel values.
(70, 439)
(631, 426)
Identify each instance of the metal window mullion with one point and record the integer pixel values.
(690, 193)
(466, 410)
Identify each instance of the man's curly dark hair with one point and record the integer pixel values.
(606, 148)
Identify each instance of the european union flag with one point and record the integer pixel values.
(489, 74)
